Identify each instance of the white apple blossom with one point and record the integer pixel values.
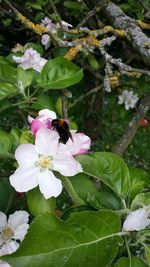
(46, 41)
(65, 25)
(137, 220)
(37, 163)
(30, 60)
(12, 231)
(50, 26)
(128, 98)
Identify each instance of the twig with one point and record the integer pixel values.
(56, 13)
(90, 14)
(95, 90)
(64, 99)
(131, 130)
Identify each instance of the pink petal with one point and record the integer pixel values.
(24, 180)
(49, 185)
(26, 155)
(80, 145)
(38, 123)
(46, 142)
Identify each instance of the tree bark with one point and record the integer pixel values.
(120, 20)
(129, 133)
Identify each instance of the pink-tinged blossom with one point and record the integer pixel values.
(12, 230)
(137, 220)
(46, 41)
(43, 120)
(37, 163)
(80, 144)
(50, 26)
(30, 60)
(128, 98)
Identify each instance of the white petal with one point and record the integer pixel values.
(30, 119)
(26, 155)
(9, 248)
(66, 165)
(48, 113)
(18, 218)
(49, 185)
(3, 220)
(21, 231)
(24, 180)
(46, 142)
(137, 220)
(4, 264)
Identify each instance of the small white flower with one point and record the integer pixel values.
(31, 60)
(12, 231)
(37, 163)
(46, 41)
(128, 98)
(50, 26)
(137, 220)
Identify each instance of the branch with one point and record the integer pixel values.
(120, 20)
(131, 130)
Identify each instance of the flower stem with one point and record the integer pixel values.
(75, 197)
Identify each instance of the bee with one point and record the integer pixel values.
(62, 127)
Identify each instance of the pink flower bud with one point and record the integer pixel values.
(80, 145)
(42, 121)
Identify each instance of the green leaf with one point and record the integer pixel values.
(141, 200)
(38, 204)
(147, 252)
(24, 77)
(109, 168)
(86, 239)
(59, 73)
(15, 135)
(5, 144)
(105, 200)
(133, 262)
(7, 74)
(6, 193)
(73, 5)
(138, 181)
(7, 90)
(83, 185)
(44, 101)
(26, 138)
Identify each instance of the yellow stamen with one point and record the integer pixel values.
(7, 233)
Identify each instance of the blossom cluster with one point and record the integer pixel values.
(31, 59)
(40, 163)
(128, 98)
(53, 28)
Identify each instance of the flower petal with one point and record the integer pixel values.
(66, 165)
(46, 142)
(21, 231)
(24, 180)
(80, 145)
(48, 113)
(3, 220)
(18, 218)
(26, 155)
(49, 185)
(9, 248)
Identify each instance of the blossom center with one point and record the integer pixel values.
(7, 233)
(44, 163)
